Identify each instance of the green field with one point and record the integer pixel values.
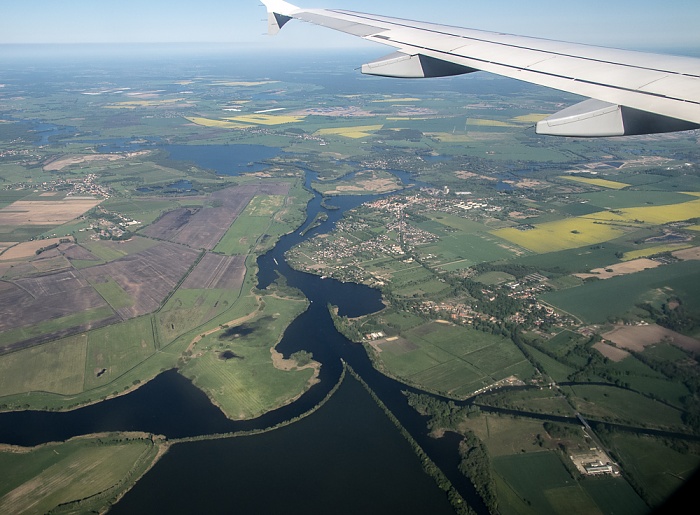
(55, 325)
(116, 349)
(658, 466)
(93, 469)
(460, 251)
(113, 294)
(633, 198)
(247, 384)
(599, 301)
(110, 251)
(545, 400)
(624, 406)
(243, 235)
(614, 495)
(57, 367)
(542, 483)
(452, 360)
(492, 278)
(189, 309)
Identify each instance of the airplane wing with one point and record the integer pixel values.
(629, 92)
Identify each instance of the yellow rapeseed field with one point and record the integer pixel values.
(562, 234)
(597, 227)
(267, 119)
(406, 99)
(208, 122)
(603, 183)
(651, 215)
(634, 254)
(361, 131)
(530, 118)
(482, 122)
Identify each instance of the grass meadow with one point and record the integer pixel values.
(452, 360)
(248, 384)
(49, 475)
(624, 406)
(243, 235)
(658, 466)
(57, 324)
(541, 482)
(57, 367)
(598, 301)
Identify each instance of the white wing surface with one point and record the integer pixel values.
(629, 92)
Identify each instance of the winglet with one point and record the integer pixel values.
(278, 13)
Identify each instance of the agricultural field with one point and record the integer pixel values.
(616, 298)
(238, 368)
(597, 227)
(354, 132)
(85, 289)
(55, 367)
(624, 407)
(564, 234)
(603, 183)
(214, 271)
(83, 474)
(541, 484)
(538, 483)
(114, 350)
(145, 277)
(361, 183)
(45, 212)
(638, 337)
(251, 225)
(657, 465)
(202, 228)
(630, 198)
(451, 360)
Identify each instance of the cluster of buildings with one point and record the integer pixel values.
(113, 226)
(85, 186)
(343, 258)
(15, 153)
(433, 199)
(532, 313)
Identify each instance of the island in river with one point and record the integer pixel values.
(146, 227)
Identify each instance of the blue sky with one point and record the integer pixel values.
(626, 23)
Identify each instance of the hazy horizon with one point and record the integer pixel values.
(624, 24)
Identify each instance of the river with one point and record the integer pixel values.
(345, 450)
(170, 405)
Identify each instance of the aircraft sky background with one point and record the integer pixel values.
(637, 24)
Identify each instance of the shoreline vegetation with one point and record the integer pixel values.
(201, 311)
(156, 447)
(103, 468)
(430, 468)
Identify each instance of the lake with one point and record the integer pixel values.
(345, 440)
(346, 458)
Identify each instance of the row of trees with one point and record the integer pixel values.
(475, 463)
